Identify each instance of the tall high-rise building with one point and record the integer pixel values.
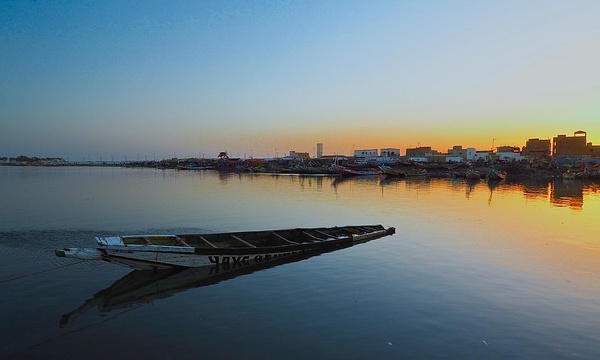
(319, 150)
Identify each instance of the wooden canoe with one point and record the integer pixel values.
(144, 252)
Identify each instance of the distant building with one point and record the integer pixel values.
(319, 150)
(537, 149)
(420, 151)
(575, 145)
(457, 151)
(484, 155)
(366, 154)
(471, 154)
(390, 153)
(299, 155)
(459, 154)
(508, 149)
(509, 153)
(594, 150)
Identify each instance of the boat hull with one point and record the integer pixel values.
(346, 171)
(152, 257)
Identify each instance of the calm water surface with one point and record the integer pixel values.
(507, 270)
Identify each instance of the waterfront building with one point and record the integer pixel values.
(537, 149)
(509, 153)
(299, 155)
(568, 149)
(319, 150)
(459, 154)
(471, 152)
(366, 153)
(457, 151)
(390, 153)
(421, 151)
(575, 145)
(484, 155)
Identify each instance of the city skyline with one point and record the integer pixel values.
(102, 80)
(579, 136)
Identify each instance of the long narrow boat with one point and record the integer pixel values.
(390, 171)
(145, 252)
(347, 171)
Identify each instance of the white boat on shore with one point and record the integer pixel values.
(146, 252)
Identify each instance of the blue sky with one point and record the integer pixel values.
(158, 78)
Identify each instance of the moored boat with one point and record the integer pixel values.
(144, 252)
(391, 171)
(347, 171)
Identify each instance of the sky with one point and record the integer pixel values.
(157, 79)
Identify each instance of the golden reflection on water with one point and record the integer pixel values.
(542, 227)
(551, 229)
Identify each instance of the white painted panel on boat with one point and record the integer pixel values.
(110, 240)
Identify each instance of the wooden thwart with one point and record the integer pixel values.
(322, 233)
(284, 239)
(242, 241)
(182, 242)
(312, 236)
(207, 242)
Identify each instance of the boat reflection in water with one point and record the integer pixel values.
(145, 286)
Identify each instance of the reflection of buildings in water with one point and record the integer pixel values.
(492, 185)
(224, 176)
(470, 186)
(410, 183)
(560, 192)
(531, 189)
(536, 189)
(339, 180)
(591, 189)
(311, 181)
(391, 181)
(455, 184)
(366, 179)
(567, 193)
(418, 183)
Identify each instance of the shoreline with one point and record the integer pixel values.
(514, 171)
